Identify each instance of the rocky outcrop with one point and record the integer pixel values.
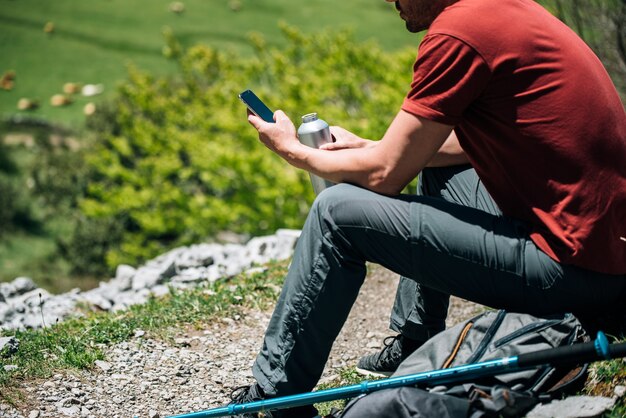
(23, 305)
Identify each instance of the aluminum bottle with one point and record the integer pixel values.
(315, 132)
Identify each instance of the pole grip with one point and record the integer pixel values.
(574, 354)
(617, 350)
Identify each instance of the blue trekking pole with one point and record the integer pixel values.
(600, 349)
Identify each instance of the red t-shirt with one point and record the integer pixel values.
(539, 119)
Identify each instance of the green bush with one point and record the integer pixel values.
(175, 161)
(15, 210)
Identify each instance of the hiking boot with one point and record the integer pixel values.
(253, 393)
(386, 362)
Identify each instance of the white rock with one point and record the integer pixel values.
(146, 277)
(71, 411)
(124, 271)
(103, 365)
(23, 285)
(92, 89)
(23, 306)
(573, 407)
(97, 299)
(11, 344)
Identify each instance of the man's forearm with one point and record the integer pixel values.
(357, 166)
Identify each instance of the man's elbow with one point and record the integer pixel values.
(385, 183)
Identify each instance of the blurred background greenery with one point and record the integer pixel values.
(93, 42)
(163, 155)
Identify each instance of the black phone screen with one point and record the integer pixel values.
(256, 106)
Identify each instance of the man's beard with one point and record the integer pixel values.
(414, 27)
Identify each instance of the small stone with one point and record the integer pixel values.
(27, 104)
(92, 89)
(619, 391)
(124, 272)
(23, 285)
(9, 345)
(373, 344)
(10, 367)
(89, 109)
(153, 414)
(177, 7)
(34, 413)
(184, 342)
(72, 411)
(60, 100)
(103, 365)
(68, 402)
(71, 88)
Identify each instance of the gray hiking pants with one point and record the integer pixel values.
(419, 312)
(446, 247)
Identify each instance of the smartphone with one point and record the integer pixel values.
(256, 106)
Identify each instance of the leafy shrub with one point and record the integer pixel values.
(175, 161)
(15, 211)
(8, 209)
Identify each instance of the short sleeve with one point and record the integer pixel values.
(448, 76)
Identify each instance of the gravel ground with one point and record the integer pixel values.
(145, 377)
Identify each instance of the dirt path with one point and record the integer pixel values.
(145, 377)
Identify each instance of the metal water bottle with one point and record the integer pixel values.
(315, 132)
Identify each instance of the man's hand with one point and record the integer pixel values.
(343, 139)
(280, 137)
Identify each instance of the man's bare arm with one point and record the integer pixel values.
(449, 154)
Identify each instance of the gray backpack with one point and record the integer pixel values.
(490, 335)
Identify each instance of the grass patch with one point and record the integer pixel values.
(78, 343)
(347, 376)
(95, 41)
(604, 377)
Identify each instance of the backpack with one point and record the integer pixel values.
(487, 336)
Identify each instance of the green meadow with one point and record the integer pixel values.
(94, 42)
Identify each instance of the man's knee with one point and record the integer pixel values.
(333, 197)
(337, 202)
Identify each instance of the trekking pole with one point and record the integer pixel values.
(600, 349)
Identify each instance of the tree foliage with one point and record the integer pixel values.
(175, 161)
(602, 24)
(15, 198)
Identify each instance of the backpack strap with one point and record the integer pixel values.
(457, 346)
